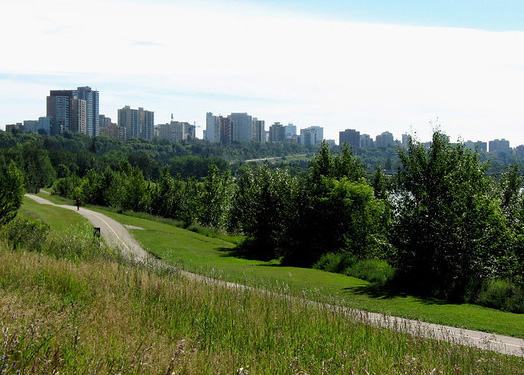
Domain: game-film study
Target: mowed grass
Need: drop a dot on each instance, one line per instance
(212, 257)
(100, 316)
(58, 218)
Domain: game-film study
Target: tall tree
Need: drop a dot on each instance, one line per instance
(11, 191)
(450, 229)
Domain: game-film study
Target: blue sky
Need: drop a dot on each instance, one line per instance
(495, 15)
(401, 66)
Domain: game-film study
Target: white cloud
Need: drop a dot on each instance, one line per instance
(181, 58)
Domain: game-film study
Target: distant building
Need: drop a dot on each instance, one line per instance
(226, 130)
(277, 133)
(212, 128)
(366, 141)
(107, 127)
(259, 131)
(30, 126)
(405, 140)
(18, 126)
(350, 137)
(385, 139)
(291, 132)
(311, 136)
(242, 127)
(138, 123)
(330, 142)
(176, 131)
(66, 111)
(92, 109)
(478, 146)
(500, 146)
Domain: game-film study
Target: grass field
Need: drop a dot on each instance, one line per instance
(58, 218)
(99, 316)
(213, 257)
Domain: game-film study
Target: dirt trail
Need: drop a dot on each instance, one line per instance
(118, 236)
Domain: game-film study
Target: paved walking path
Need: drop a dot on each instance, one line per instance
(118, 236)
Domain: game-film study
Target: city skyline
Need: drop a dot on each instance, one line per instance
(373, 68)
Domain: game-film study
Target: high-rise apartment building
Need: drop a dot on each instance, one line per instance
(242, 127)
(277, 133)
(385, 139)
(477, 146)
(350, 137)
(67, 111)
(176, 131)
(366, 141)
(500, 146)
(212, 128)
(226, 130)
(311, 136)
(138, 123)
(92, 109)
(259, 131)
(78, 116)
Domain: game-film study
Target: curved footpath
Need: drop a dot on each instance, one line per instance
(116, 235)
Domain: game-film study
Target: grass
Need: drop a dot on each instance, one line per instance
(213, 257)
(58, 218)
(101, 316)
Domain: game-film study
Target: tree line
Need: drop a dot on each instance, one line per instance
(440, 226)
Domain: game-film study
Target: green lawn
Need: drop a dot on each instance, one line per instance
(58, 218)
(212, 257)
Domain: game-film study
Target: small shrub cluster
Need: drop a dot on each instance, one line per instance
(77, 243)
(501, 294)
(373, 270)
(376, 271)
(24, 233)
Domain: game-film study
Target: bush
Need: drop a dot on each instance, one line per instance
(373, 270)
(334, 262)
(25, 234)
(77, 243)
(503, 295)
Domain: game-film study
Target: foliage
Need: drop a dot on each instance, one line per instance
(501, 294)
(375, 271)
(11, 191)
(25, 234)
(334, 262)
(263, 206)
(335, 211)
(449, 226)
(216, 198)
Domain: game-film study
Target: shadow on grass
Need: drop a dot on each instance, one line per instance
(388, 292)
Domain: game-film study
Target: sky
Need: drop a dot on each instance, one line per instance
(372, 65)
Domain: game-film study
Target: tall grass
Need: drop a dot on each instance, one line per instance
(97, 316)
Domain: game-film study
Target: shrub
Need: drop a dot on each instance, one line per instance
(77, 243)
(25, 234)
(334, 262)
(373, 270)
(503, 295)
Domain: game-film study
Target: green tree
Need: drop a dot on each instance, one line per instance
(334, 211)
(35, 165)
(167, 196)
(263, 207)
(450, 229)
(216, 198)
(11, 191)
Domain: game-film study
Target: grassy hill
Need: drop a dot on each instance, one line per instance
(97, 315)
(214, 257)
(74, 307)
